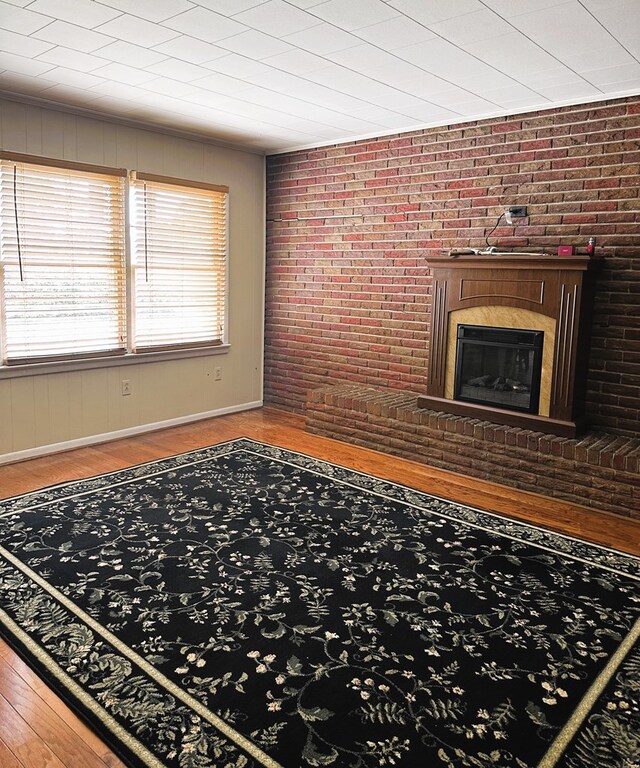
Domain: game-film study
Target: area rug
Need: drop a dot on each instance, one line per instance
(245, 605)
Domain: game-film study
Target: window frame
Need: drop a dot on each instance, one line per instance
(129, 357)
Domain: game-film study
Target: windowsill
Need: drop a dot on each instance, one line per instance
(64, 366)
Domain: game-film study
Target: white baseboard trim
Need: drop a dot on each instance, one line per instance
(106, 437)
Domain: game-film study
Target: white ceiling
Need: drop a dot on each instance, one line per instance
(280, 74)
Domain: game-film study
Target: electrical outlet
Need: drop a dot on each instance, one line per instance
(518, 211)
(217, 373)
(126, 387)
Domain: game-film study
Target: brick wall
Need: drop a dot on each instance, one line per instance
(599, 470)
(350, 228)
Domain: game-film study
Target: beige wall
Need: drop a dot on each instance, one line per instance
(47, 409)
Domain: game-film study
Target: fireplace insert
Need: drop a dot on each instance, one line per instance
(500, 367)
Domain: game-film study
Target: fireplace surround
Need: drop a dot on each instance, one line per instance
(543, 297)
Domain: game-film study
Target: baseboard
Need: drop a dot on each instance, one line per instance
(105, 437)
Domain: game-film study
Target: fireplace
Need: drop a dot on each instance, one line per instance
(499, 367)
(510, 339)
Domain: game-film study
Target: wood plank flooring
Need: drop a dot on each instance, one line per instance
(38, 730)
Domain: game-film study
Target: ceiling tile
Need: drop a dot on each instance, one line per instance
(239, 66)
(625, 87)
(137, 31)
(66, 57)
(190, 49)
(574, 91)
(513, 53)
(478, 84)
(558, 75)
(608, 75)
(130, 54)
(363, 58)
(71, 36)
(436, 90)
(509, 8)
(26, 84)
(395, 33)
(166, 86)
(354, 14)
(277, 18)
(23, 65)
(435, 10)
(220, 83)
(121, 73)
(442, 58)
(84, 13)
(117, 90)
(613, 55)
(20, 20)
(151, 10)
(305, 4)
(623, 21)
(111, 105)
(68, 94)
(508, 93)
(72, 77)
(229, 7)
(179, 70)
(205, 25)
(23, 3)
(255, 45)
(20, 45)
(471, 27)
(428, 113)
(564, 30)
(465, 103)
(297, 62)
(323, 39)
(600, 5)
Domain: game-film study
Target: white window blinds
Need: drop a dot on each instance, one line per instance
(179, 254)
(62, 261)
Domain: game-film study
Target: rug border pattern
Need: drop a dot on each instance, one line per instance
(592, 555)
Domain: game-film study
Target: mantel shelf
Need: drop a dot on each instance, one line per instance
(549, 262)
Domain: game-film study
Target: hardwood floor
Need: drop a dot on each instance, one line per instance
(37, 730)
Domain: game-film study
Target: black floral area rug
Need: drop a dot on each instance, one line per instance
(247, 606)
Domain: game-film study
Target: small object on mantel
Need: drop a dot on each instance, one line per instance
(566, 250)
(591, 246)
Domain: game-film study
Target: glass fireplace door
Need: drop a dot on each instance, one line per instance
(500, 367)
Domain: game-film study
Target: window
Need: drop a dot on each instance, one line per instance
(71, 288)
(179, 248)
(62, 260)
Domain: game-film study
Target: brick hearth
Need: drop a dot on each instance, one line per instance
(599, 470)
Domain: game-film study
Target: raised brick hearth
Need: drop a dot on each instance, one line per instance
(351, 231)
(599, 470)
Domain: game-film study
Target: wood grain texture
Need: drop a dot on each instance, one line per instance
(38, 730)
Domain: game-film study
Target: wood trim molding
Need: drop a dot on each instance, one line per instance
(105, 437)
(140, 176)
(17, 157)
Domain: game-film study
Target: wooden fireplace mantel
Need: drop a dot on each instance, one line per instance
(559, 287)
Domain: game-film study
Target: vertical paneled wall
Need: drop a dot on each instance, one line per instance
(47, 409)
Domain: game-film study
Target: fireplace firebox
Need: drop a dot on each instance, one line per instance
(499, 367)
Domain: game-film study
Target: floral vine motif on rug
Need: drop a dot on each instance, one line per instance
(245, 605)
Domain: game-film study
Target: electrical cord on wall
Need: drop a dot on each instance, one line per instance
(486, 237)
